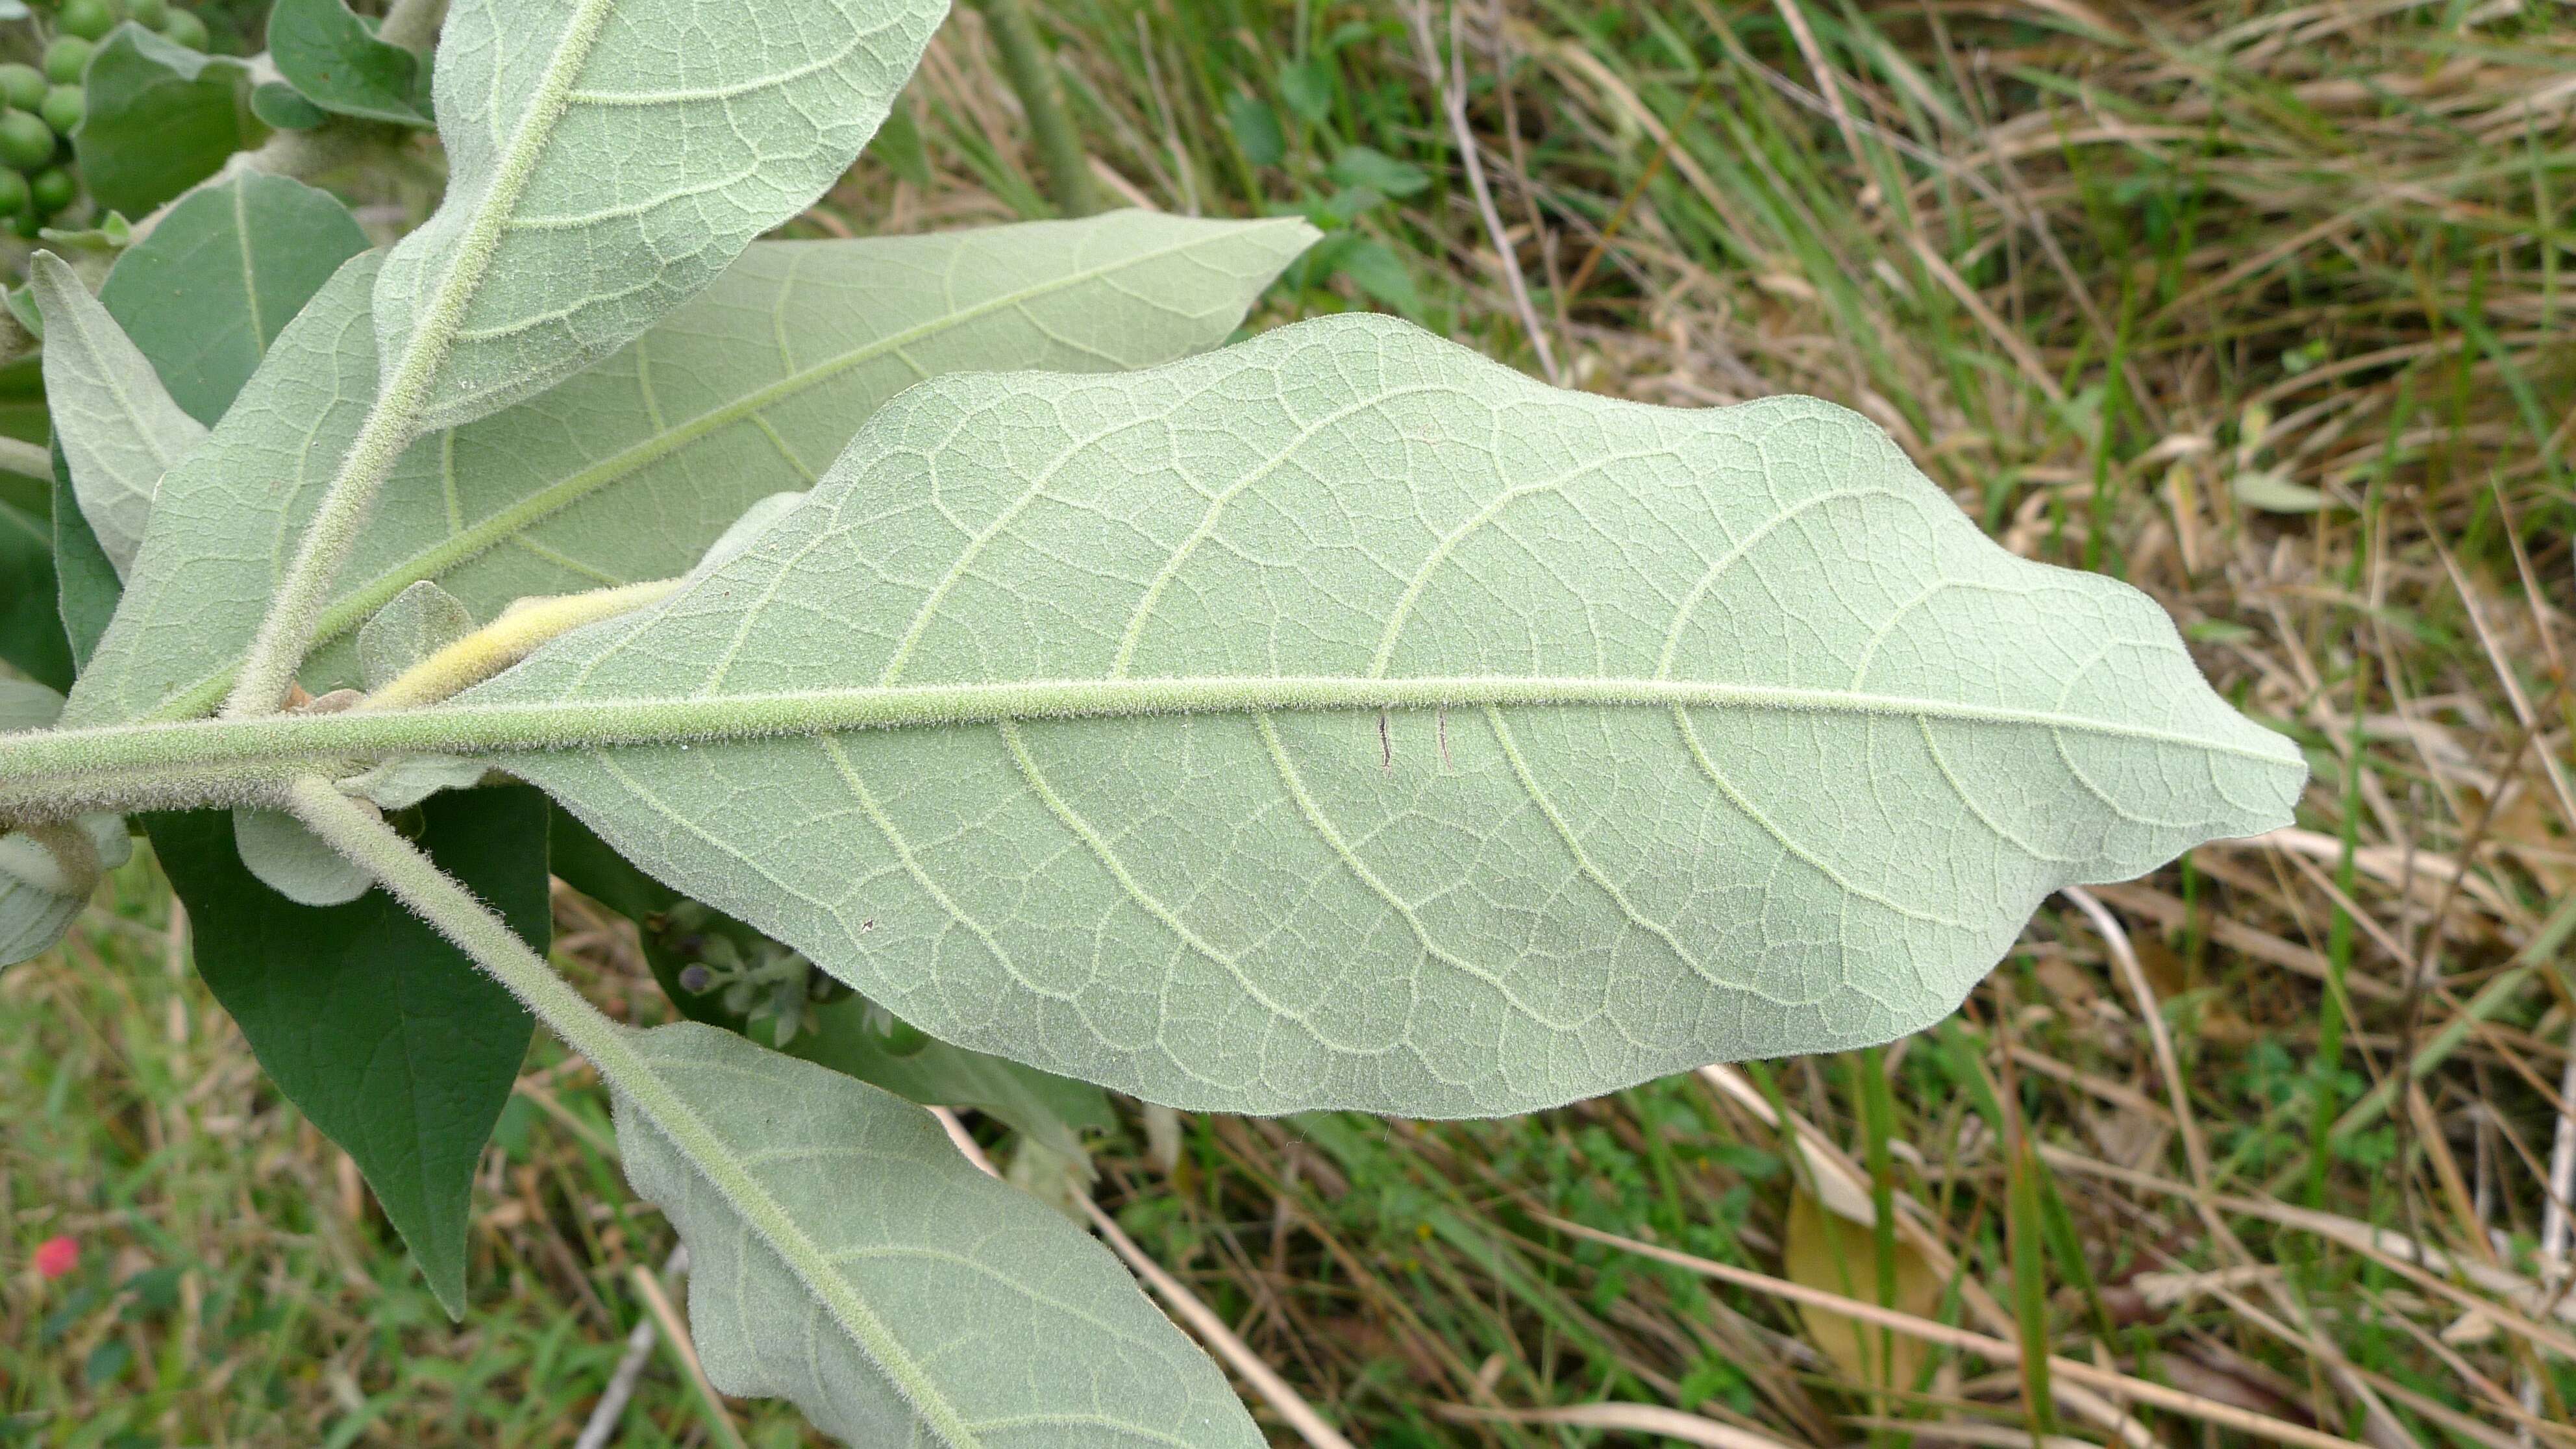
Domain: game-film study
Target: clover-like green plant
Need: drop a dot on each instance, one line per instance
(917, 638)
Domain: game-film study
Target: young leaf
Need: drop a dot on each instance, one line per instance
(369, 1021)
(46, 875)
(893, 1291)
(117, 425)
(631, 469)
(607, 159)
(48, 871)
(1342, 719)
(334, 60)
(161, 118)
(420, 621)
(292, 861)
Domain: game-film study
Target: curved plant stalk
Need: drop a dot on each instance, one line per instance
(419, 884)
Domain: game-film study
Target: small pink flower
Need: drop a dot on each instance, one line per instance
(57, 1255)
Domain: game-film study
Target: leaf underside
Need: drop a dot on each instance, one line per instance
(608, 158)
(632, 468)
(1003, 1324)
(1052, 1108)
(1894, 738)
(116, 423)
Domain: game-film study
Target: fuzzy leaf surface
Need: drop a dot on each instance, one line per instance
(1343, 720)
(990, 1321)
(933, 1073)
(117, 425)
(632, 468)
(202, 296)
(609, 158)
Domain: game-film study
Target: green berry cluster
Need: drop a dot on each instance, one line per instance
(39, 107)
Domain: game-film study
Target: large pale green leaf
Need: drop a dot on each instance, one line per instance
(1344, 720)
(893, 1291)
(631, 469)
(609, 158)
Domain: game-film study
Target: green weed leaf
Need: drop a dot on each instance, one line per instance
(161, 118)
(391, 1041)
(31, 625)
(1342, 719)
(206, 291)
(894, 1292)
(333, 59)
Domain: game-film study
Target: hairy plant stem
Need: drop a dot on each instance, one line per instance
(287, 630)
(1024, 61)
(430, 893)
(394, 421)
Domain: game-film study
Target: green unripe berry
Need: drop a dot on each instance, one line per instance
(147, 12)
(53, 190)
(88, 19)
(63, 108)
(66, 58)
(22, 85)
(185, 29)
(26, 142)
(14, 195)
(27, 223)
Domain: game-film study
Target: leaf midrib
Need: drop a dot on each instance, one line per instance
(460, 548)
(507, 727)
